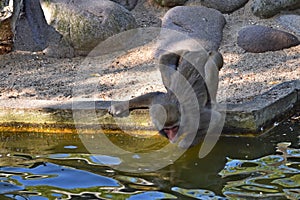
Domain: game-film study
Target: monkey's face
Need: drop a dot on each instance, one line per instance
(166, 119)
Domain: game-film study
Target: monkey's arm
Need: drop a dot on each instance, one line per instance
(143, 101)
(212, 68)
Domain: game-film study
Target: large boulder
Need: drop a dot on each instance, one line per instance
(258, 39)
(191, 28)
(84, 24)
(224, 6)
(269, 8)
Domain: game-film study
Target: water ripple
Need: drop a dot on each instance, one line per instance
(275, 176)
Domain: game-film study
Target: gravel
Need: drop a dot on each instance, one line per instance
(32, 75)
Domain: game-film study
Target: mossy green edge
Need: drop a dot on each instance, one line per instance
(249, 118)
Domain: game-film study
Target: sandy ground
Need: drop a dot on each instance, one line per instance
(27, 75)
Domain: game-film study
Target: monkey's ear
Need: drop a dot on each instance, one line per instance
(170, 60)
(168, 63)
(217, 58)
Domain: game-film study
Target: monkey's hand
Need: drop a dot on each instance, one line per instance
(119, 109)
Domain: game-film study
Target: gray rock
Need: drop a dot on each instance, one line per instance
(32, 33)
(84, 24)
(258, 39)
(291, 22)
(269, 8)
(170, 3)
(191, 28)
(61, 49)
(128, 4)
(224, 6)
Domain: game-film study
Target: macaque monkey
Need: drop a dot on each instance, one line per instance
(187, 109)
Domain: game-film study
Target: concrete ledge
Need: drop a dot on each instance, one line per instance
(253, 117)
(259, 114)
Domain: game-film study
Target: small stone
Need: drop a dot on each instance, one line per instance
(258, 39)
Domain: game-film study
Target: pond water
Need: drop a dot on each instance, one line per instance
(60, 166)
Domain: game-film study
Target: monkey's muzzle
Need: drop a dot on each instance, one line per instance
(170, 132)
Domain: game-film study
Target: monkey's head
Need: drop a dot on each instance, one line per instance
(166, 118)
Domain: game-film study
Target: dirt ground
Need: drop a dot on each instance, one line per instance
(32, 75)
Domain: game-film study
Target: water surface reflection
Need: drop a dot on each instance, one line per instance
(58, 166)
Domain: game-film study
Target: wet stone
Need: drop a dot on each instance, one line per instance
(258, 39)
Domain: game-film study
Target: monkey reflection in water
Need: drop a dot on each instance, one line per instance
(185, 112)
